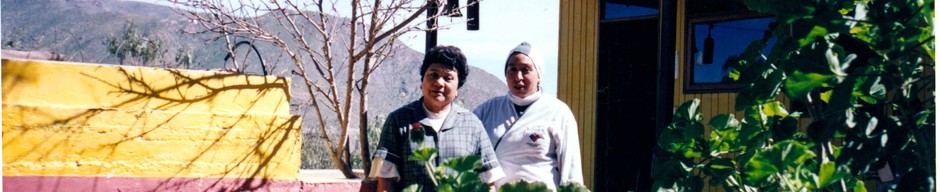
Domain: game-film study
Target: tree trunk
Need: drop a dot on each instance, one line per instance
(347, 155)
(364, 129)
(343, 167)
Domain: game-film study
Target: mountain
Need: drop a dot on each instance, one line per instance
(79, 30)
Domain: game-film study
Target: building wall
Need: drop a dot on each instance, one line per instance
(577, 75)
(577, 72)
(84, 127)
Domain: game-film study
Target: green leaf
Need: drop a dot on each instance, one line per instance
(799, 84)
(785, 128)
(471, 181)
(724, 135)
(688, 111)
(785, 10)
(524, 186)
(828, 174)
(775, 109)
(760, 91)
(573, 187)
(924, 118)
(734, 74)
(412, 188)
(793, 153)
(695, 130)
(464, 164)
(838, 60)
(842, 97)
(683, 135)
(752, 129)
(720, 169)
(691, 153)
(758, 169)
(446, 188)
(825, 96)
(423, 154)
(723, 122)
(869, 89)
(859, 186)
(786, 155)
(722, 164)
(816, 32)
(469, 178)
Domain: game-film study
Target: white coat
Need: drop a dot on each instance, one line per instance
(542, 145)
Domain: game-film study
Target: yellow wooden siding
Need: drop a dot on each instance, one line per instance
(577, 73)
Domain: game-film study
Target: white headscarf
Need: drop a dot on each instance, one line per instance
(533, 54)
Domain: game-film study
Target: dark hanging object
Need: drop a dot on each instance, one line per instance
(430, 37)
(473, 15)
(452, 9)
(708, 55)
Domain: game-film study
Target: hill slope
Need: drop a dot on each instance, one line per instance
(79, 29)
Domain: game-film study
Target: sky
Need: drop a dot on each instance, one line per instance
(503, 25)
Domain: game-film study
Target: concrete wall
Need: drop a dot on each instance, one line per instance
(83, 127)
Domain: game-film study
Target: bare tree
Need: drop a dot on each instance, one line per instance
(313, 35)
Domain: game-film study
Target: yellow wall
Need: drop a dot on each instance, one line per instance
(577, 72)
(101, 120)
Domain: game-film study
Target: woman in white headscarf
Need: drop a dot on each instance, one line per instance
(535, 135)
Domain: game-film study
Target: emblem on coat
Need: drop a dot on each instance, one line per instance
(535, 137)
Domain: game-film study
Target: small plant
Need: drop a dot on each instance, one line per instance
(458, 174)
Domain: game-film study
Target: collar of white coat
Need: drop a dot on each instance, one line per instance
(528, 100)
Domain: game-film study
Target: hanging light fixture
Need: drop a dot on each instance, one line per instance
(708, 55)
(452, 8)
(473, 15)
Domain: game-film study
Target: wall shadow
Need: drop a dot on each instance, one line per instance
(179, 130)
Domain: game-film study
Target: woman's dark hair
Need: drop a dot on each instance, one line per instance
(449, 56)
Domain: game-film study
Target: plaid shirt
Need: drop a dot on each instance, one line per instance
(462, 134)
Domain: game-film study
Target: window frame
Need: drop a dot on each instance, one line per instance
(689, 87)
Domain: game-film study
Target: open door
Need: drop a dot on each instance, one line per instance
(626, 108)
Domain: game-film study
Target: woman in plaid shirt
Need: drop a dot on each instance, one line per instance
(453, 130)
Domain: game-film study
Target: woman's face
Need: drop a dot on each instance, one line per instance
(439, 87)
(521, 77)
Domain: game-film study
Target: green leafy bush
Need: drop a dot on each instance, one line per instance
(864, 70)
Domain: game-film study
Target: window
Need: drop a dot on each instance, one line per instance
(627, 9)
(713, 44)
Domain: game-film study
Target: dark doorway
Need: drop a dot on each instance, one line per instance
(626, 108)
